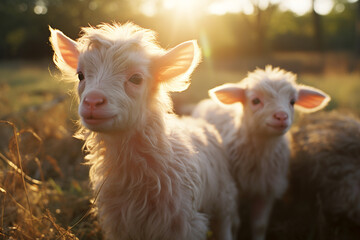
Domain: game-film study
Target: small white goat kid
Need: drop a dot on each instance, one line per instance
(158, 176)
(253, 133)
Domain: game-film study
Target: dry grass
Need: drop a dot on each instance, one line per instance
(48, 208)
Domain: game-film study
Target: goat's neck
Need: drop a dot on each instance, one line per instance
(139, 159)
(145, 144)
(267, 143)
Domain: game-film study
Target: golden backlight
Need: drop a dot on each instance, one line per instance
(221, 7)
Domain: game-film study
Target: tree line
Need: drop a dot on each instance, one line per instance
(24, 27)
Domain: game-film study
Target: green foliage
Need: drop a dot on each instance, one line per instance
(26, 33)
(339, 29)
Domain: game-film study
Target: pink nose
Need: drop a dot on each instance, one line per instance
(94, 100)
(281, 116)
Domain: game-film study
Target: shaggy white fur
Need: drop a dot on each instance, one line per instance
(158, 176)
(326, 149)
(252, 118)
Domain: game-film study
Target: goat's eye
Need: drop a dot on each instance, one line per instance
(256, 101)
(292, 102)
(81, 76)
(136, 79)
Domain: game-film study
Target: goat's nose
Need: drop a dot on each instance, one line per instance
(281, 116)
(94, 100)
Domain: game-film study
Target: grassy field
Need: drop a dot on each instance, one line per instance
(44, 189)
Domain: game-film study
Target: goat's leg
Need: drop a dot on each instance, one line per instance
(260, 214)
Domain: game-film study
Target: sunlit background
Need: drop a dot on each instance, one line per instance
(316, 39)
(229, 28)
(319, 40)
(237, 34)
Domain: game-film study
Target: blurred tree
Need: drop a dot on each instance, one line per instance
(357, 30)
(260, 25)
(289, 32)
(318, 29)
(339, 30)
(69, 15)
(24, 26)
(24, 23)
(350, 30)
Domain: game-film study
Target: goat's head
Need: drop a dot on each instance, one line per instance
(268, 98)
(121, 71)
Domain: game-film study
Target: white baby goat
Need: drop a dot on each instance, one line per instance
(253, 133)
(158, 177)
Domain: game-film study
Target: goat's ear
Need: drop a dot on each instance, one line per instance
(65, 49)
(228, 94)
(311, 99)
(175, 67)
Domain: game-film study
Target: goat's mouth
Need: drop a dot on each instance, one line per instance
(280, 127)
(92, 121)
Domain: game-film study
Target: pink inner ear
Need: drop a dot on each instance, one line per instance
(177, 61)
(68, 50)
(310, 98)
(228, 94)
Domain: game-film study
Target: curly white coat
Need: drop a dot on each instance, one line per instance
(252, 117)
(157, 176)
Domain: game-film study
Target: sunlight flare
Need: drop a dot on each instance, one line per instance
(222, 7)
